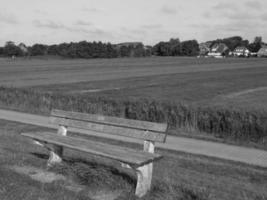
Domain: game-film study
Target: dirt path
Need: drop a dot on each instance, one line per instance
(236, 94)
(194, 146)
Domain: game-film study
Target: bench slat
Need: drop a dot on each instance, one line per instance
(127, 123)
(122, 154)
(116, 130)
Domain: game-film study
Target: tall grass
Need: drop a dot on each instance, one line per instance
(237, 124)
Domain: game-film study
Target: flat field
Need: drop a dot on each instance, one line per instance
(224, 82)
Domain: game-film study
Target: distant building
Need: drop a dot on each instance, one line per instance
(262, 52)
(204, 49)
(241, 52)
(129, 44)
(218, 50)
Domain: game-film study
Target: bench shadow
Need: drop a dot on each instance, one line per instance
(40, 155)
(118, 171)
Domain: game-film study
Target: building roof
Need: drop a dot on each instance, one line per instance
(204, 48)
(127, 44)
(219, 48)
(263, 51)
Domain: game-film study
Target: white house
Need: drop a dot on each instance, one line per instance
(241, 52)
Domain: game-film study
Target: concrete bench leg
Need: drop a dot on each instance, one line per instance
(56, 152)
(144, 173)
(55, 156)
(144, 178)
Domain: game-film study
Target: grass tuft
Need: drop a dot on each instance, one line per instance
(227, 123)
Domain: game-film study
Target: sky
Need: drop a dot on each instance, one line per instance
(115, 21)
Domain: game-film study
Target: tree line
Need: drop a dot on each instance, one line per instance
(85, 49)
(82, 49)
(236, 41)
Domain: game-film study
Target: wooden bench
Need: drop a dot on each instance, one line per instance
(141, 161)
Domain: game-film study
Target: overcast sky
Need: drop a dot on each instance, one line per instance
(149, 21)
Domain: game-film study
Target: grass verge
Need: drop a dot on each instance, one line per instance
(177, 176)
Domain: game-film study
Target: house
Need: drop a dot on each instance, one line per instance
(218, 50)
(204, 48)
(262, 52)
(241, 51)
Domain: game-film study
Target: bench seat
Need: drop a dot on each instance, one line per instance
(129, 156)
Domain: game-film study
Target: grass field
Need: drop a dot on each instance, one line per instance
(203, 81)
(82, 176)
(223, 97)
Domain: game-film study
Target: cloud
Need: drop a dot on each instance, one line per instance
(91, 10)
(199, 26)
(59, 26)
(225, 6)
(41, 12)
(253, 5)
(264, 17)
(243, 16)
(168, 10)
(8, 18)
(48, 24)
(207, 15)
(226, 11)
(152, 26)
(83, 23)
(246, 28)
(238, 27)
(134, 31)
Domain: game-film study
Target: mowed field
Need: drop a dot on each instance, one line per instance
(225, 82)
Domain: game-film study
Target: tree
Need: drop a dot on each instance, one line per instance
(124, 51)
(111, 51)
(139, 50)
(1, 51)
(189, 48)
(52, 50)
(84, 49)
(175, 47)
(71, 50)
(38, 50)
(256, 45)
(148, 50)
(233, 42)
(10, 49)
(62, 49)
(245, 43)
(162, 49)
(258, 40)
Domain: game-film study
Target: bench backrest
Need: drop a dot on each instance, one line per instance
(144, 130)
